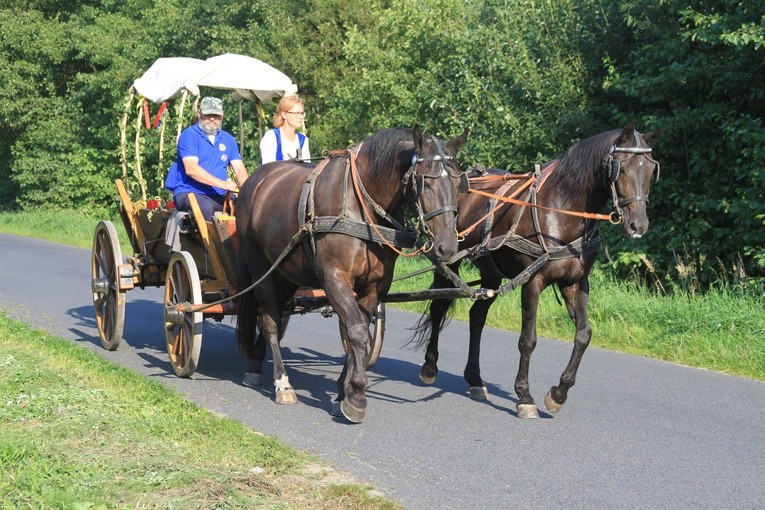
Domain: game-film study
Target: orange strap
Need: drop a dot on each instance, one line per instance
(592, 216)
(159, 114)
(354, 177)
(146, 114)
(529, 182)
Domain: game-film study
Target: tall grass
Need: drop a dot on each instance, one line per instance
(723, 330)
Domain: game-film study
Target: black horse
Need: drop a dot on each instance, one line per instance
(338, 226)
(550, 237)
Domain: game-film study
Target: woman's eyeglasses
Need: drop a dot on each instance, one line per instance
(301, 114)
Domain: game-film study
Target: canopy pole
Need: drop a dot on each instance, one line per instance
(241, 131)
(260, 114)
(160, 169)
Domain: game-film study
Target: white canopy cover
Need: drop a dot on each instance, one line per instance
(247, 76)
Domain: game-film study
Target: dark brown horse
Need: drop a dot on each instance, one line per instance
(543, 245)
(338, 227)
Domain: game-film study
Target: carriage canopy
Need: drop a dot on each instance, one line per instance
(246, 76)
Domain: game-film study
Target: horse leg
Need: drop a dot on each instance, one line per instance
(576, 297)
(435, 321)
(336, 410)
(355, 318)
(254, 376)
(478, 312)
(272, 332)
(527, 342)
(437, 312)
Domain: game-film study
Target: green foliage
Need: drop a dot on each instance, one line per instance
(699, 72)
(528, 78)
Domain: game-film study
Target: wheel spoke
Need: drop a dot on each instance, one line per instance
(99, 302)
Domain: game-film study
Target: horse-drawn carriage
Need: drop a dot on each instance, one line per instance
(193, 258)
(325, 238)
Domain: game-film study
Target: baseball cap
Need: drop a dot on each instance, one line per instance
(211, 106)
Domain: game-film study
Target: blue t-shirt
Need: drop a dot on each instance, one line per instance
(213, 157)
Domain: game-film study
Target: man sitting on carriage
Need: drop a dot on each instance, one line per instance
(205, 152)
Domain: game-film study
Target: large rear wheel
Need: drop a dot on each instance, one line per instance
(183, 329)
(108, 300)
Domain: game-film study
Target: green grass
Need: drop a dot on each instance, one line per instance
(723, 330)
(79, 432)
(67, 227)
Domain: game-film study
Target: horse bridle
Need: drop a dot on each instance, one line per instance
(418, 185)
(613, 169)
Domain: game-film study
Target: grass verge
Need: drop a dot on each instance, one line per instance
(723, 330)
(79, 432)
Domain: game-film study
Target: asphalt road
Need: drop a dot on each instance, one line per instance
(635, 433)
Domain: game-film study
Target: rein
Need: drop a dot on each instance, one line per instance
(361, 192)
(530, 180)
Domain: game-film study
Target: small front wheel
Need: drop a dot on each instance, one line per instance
(183, 329)
(378, 331)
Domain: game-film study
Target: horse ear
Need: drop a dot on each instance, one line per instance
(650, 138)
(456, 144)
(417, 135)
(627, 134)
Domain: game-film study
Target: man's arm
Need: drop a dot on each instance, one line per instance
(199, 174)
(240, 171)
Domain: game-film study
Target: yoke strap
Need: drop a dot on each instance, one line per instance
(363, 230)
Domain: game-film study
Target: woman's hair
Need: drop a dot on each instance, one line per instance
(285, 104)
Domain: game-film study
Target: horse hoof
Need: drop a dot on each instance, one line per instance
(527, 411)
(286, 396)
(479, 393)
(352, 413)
(552, 405)
(336, 411)
(252, 379)
(427, 380)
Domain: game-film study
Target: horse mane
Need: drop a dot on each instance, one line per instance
(382, 146)
(580, 167)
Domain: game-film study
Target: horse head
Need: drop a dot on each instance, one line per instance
(432, 183)
(628, 172)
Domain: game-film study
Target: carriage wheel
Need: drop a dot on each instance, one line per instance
(108, 301)
(375, 346)
(183, 330)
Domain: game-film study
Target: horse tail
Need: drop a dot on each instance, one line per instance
(425, 325)
(247, 310)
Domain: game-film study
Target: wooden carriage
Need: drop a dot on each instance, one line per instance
(199, 275)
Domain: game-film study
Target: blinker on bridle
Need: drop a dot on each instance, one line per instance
(418, 184)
